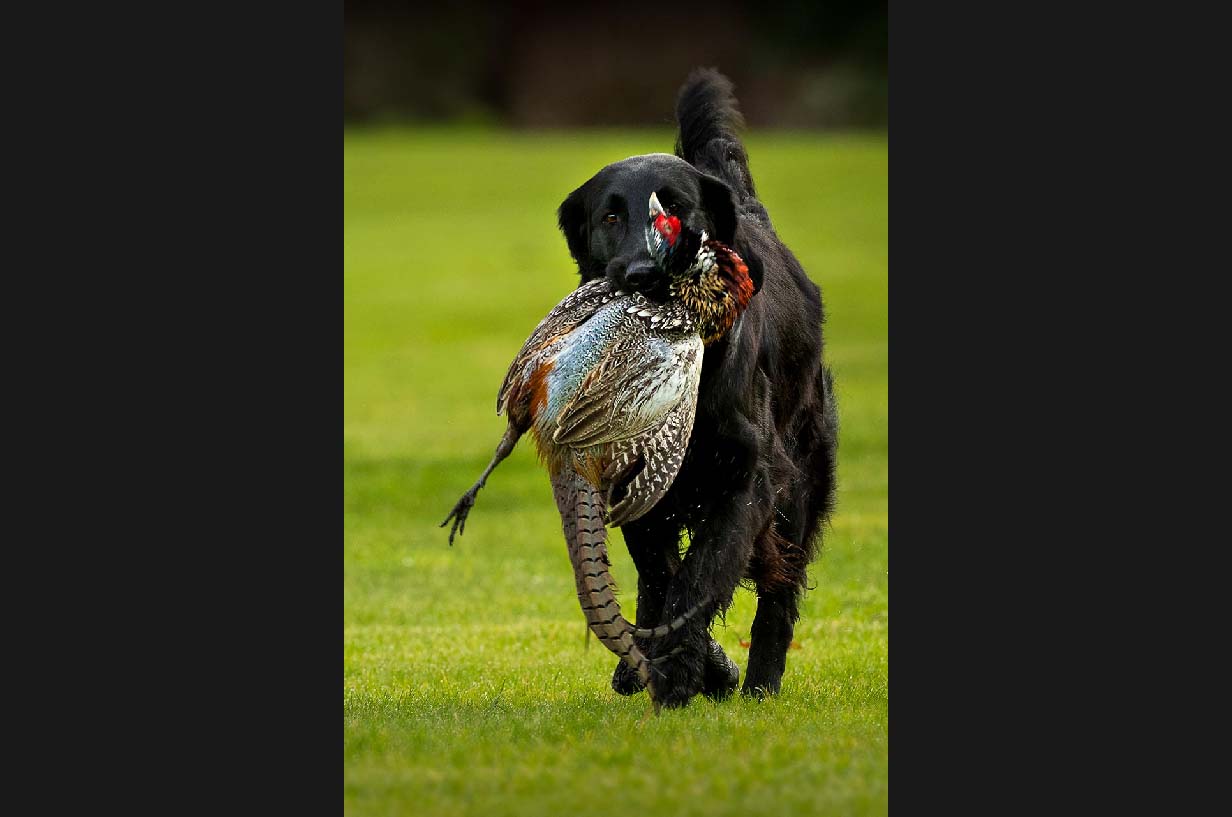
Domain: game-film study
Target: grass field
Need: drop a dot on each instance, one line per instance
(468, 684)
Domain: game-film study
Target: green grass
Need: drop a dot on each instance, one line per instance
(469, 687)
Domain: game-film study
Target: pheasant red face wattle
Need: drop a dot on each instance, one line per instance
(668, 227)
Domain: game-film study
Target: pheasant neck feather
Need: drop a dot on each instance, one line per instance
(718, 292)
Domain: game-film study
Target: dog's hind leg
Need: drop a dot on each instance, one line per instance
(777, 613)
(803, 502)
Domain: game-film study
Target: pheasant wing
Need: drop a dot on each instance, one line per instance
(575, 309)
(637, 384)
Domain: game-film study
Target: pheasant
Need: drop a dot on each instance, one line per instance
(607, 382)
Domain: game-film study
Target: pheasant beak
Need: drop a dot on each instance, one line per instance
(656, 209)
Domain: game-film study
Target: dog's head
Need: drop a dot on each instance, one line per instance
(604, 220)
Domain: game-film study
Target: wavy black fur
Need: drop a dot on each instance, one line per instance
(758, 478)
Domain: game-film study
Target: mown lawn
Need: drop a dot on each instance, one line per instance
(469, 687)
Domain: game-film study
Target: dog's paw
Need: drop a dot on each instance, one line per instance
(760, 684)
(680, 673)
(625, 679)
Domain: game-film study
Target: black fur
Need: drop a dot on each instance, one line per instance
(758, 478)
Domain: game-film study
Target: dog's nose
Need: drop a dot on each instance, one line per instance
(641, 275)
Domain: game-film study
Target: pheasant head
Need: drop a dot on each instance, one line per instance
(709, 277)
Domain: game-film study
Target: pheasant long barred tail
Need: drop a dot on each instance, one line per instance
(582, 520)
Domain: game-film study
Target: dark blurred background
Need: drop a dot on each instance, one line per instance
(538, 64)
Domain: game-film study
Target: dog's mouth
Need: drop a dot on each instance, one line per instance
(655, 291)
(657, 294)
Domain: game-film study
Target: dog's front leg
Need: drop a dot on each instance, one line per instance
(652, 542)
(718, 557)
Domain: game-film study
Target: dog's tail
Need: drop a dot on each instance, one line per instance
(709, 117)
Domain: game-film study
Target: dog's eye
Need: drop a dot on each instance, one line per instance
(611, 218)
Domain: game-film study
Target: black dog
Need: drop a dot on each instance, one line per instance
(758, 478)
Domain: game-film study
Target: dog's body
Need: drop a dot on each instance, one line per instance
(758, 478)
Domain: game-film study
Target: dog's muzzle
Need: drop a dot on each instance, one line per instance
(641, 275)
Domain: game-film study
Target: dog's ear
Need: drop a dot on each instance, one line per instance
(574, 223)
(720, 204)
